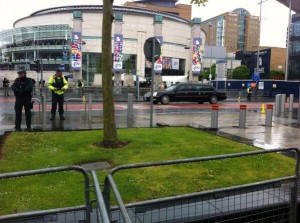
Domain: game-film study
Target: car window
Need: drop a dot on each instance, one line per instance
(181, 88)
(198, 87)
(171, 88)
(189, 87)
(207, 88)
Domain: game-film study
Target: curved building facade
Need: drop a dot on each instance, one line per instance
(71, 37)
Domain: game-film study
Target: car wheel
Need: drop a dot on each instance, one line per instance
(213, 99)
(165, 99)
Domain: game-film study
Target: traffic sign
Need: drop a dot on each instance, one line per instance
(255, 77)
(148, 48)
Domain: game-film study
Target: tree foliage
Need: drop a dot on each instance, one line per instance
(277, 74)
(242, 72)
(206, 72)
(199, 2)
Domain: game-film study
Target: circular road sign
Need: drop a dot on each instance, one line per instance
(148, 49)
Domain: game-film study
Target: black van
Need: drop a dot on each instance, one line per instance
(192, 92)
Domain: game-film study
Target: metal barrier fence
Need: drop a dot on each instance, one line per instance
(267, 201)
(60, 213)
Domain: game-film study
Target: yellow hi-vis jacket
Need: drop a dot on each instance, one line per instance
(58, 83)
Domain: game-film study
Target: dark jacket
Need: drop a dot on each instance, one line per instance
(22, 87)
(5, 82)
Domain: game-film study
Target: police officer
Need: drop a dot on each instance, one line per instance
(22, 88)
(57, 84)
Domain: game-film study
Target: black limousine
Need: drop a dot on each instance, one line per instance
(191, 92)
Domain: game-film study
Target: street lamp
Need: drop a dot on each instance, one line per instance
(288, 43)
(210, 25)
(257, 59)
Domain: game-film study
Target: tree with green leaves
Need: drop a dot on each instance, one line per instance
(242, 72)
(206, 72)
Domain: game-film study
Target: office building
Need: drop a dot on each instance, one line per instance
(169, 6)
(236, 31)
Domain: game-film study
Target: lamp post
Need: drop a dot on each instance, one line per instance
(288, 43)
(210, 75)
(258, 50)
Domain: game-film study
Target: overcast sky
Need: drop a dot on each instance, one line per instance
(274, 14)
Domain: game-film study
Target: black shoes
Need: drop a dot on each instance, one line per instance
(17, 129)
(61, 117)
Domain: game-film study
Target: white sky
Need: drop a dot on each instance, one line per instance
(274, 14)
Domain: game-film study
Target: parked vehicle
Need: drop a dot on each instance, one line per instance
(187, 92)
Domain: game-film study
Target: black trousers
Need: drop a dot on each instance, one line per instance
(20, 102)
(57, 99)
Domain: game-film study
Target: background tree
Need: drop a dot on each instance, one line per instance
(277, 74)
(242, 72)
(206, 72)
(128, 66)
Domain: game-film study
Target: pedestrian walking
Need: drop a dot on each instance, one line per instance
(57, 84)
(22, 88)
(249, 93)
(6, 86)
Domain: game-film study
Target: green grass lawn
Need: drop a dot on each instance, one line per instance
(36, 150)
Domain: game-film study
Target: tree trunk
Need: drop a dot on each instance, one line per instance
(110, 135)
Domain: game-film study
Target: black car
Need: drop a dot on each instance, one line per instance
(187, 92)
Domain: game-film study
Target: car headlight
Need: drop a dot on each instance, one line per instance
(154, 93)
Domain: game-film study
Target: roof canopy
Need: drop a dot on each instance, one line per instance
(295, 4)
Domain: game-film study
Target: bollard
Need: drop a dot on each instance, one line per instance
(130, 110)
(283, 98)
(214, 116)
(242, 118)
(291, 105)
(90, 109)
(277, 104)
(44, 111)
(269, 115)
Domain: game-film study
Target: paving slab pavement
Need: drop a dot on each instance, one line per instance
(284, 133)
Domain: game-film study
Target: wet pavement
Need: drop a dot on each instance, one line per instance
(284, 133)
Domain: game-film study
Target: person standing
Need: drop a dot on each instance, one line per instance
(57, 84)
(6, 86)
(79, 87)
(249, 93)
(22, 88)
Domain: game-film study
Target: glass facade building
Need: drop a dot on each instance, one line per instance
(22, 46)
(294, 49)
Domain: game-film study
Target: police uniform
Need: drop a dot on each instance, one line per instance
(57, 84)
(22, 88)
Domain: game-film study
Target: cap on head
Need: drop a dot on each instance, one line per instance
(22, 72)
(58, 71)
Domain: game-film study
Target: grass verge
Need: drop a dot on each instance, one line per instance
(36, 150)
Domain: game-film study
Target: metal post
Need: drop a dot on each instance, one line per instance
(44, 111)
(152, 82)
(90, 108)
(269, 115)
(242, 118)
(277, 104)
(130, 110)
(214, 116)
(291, 105)
(137, 83)
(283, 98)
(288, 44)
(299, 106)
